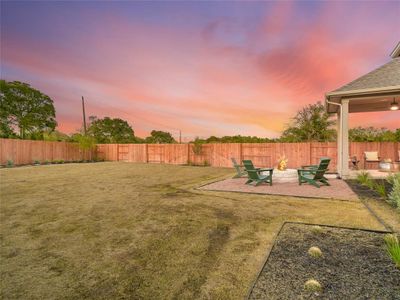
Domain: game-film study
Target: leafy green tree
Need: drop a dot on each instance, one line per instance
(5, 129)
(160, 137)
(25, 109)
(86, 142)
(108, 131)
(234, 139)
(371, 134)
(55, 135)
(311, 123)
(397, 134)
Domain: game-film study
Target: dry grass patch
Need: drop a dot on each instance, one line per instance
(123, 230)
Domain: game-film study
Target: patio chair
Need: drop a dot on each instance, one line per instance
(257, 178)
(314, 167)
(248, 165)
(240, 172)
(254, 174)
(315, 175)
(371, 157)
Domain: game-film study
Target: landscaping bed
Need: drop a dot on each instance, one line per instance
(354, 265)
(364, 191)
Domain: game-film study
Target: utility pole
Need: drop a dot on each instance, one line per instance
(84, 115)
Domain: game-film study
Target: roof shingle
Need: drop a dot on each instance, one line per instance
(385, 76)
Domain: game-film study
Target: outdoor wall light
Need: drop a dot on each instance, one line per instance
(394, 105)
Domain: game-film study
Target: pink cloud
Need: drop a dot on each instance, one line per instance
(214, 81)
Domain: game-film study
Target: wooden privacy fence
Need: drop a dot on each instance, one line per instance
(23, 152)
(216, 155)
(219, 155)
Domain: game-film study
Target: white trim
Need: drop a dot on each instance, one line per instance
(396, 51)
(388, 89)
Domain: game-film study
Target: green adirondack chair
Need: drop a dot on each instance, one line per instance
(254, 174)
(240, 172)
(314, 174)
(257, 178)
(314, 167)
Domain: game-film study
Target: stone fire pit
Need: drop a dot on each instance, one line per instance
(288, 175)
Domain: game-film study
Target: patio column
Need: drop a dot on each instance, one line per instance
(345, 139)
(339, 143)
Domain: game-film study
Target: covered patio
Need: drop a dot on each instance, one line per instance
(378, 90)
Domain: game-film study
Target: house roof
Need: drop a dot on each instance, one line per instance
(373, 91)
(386, 76)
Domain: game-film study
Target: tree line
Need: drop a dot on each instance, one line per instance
(27, 113)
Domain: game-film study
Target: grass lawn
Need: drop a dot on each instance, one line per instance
(137, 231)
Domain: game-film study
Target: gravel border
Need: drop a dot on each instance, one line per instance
(355, 265)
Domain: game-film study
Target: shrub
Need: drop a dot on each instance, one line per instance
(380, 189)
(364, 178)
(312, 285)
(197, 146)
(393, 248)
(36, 162)
(61, 161)
(315, 252)
(394, 196)
(317, 229)
(46, 162)
(10, 163)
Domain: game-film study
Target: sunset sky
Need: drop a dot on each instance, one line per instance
(206, 68)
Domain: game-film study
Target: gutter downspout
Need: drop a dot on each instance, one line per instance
(340, 133)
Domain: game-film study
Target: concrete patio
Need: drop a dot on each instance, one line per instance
(338, 189)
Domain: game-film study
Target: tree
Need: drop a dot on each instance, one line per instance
(234, 139)
(86, 142)
(108, 131)
(55, 135)
(371, 134)
(160, 137)
(25, 109)
(311, 123)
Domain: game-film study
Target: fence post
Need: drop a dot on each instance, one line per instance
(240, 153)
(188, 153)
(147, 153)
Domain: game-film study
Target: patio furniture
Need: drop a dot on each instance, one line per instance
(257, 178)
(254, 173)
(315, 175)
(248, 165)
(354, 162)
(388, 166)
(371, 157)
(240, 172)
(314, 167)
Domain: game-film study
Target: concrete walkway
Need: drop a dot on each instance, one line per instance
(338, 189)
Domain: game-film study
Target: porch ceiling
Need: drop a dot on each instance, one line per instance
(366, 103)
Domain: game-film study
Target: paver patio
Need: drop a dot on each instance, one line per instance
(338, 189)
